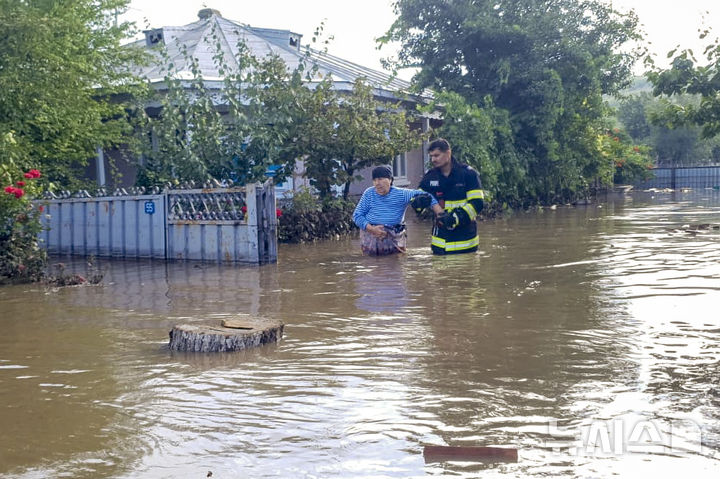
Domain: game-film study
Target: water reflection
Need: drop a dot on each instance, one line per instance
(565, 320)
(380, 285)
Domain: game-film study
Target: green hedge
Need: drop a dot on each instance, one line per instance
(306, 218)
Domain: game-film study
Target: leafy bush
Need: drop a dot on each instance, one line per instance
(632, 163)
(21, 258)
(307, 218)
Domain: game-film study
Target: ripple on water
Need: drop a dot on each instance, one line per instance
(568, 320)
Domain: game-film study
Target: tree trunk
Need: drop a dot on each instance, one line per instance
(346, 189)
(230, 335)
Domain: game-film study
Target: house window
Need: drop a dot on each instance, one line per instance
(399, 166)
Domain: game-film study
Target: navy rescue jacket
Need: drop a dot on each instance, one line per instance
(460, 189)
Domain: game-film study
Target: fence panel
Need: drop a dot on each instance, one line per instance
(685, 177)
(128, 226)
(220, 224)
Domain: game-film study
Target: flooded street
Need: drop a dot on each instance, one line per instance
(588, 338)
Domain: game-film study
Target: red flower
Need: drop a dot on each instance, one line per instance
(20, 183)
(11, 190)
(28, 175)
(35, 173)
(244, 209)
(278, 212)
(41, 208)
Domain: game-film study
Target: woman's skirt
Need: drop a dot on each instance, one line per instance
(394, 242)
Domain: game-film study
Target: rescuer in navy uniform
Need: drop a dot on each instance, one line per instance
(456, 187)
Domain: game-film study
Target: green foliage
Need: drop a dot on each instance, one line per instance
(482, 138)
(687, 76)
(21, 259)
(271, 115)
(304, 201)
(190, 139)
(63, 83)
(629, 163)
(541, 68)
(632, 113)
(307, 218)
(343, 133)
(644, 118)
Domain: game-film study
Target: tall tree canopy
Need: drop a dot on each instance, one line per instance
(644, 118)
(62, 76)
(547, 63)
(687, 75)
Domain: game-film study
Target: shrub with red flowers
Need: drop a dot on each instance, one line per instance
(628, 163)
(21, 258)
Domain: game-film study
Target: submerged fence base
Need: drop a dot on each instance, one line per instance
(218, 224)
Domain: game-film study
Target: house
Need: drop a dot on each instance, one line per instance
(197, 38)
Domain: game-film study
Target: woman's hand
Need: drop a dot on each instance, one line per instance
(377, 231)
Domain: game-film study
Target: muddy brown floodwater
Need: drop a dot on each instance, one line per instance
(588, 338)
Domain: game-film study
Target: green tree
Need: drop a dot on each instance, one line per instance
(65, 90)
(482, 138)
(633, 115)
(547, 64)
(689, 76)
(64, 84)
(271, 115)
(342, 133)
(190, 139)
(644, 118)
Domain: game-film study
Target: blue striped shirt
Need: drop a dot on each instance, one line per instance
(389, 209)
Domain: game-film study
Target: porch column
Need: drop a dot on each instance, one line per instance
(425, 129)
(100, 166)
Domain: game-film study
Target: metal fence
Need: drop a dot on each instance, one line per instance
(213, 224)
(685, 177)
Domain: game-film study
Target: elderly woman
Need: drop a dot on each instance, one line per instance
(381, 211)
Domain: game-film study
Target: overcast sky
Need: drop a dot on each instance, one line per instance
(356, 25)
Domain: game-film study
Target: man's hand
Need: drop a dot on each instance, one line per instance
(377, 231)
(453, 218)
(447, 221)
(420, 202)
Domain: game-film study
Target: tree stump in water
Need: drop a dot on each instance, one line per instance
(229, 335)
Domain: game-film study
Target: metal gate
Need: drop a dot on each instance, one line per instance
(219, 224)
